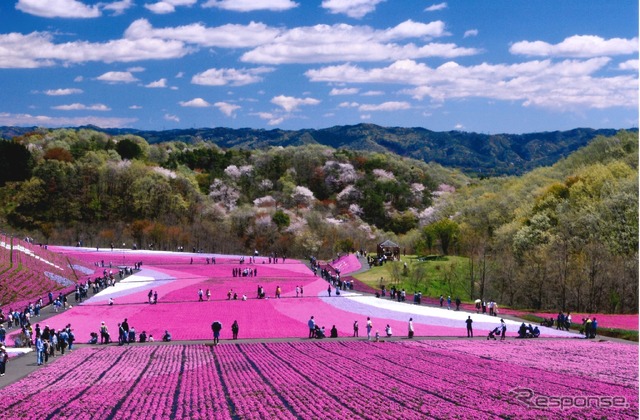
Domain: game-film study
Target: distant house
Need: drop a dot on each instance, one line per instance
(389, 249)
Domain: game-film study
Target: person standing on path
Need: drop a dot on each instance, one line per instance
(503, 329)
(355, 328)
(39, 351)
(312, 327)
(469, 321)
(448, 302)
(369, 327)
(216, 327)
(410, 327)
(125, 329)
(3, 359)
(234, 329)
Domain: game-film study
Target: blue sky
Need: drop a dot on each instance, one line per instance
(483, 66)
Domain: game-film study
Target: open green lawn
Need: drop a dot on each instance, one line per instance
(448, 276)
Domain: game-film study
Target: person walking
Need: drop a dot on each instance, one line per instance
(469, 323)
(410, 327)
(355, 328)
(503, 329)
(369, 327)
(448, 302)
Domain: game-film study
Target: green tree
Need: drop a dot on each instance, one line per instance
(446, 231)
(15, 162)
(128, 149)
(281, 219)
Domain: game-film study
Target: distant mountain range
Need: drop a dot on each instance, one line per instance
(473, 153)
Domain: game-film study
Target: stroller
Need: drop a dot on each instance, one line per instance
(493, 333)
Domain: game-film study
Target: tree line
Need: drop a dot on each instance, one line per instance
(559, 237)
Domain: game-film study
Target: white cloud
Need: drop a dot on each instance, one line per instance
(272, 119)
(345, 91)
(170, 117)
(470, 32)
(78, 79)
(252, 5)
(113, 77)
(582, 46)
(47, 121)
(565, 86)
(342, 42)
(352, 8)
(180, 75)
(227, 108)
(233, 77)
(436, 7)
(161, 83)
(373, 93)
(135, 107)
(37, 50)
(385, 106)
(348, 105)
(137, 69)
(225, 36)
(82, 107)
(195, 103)
(458, 127)
(62, 92)
(118, 7)
(167, 6)
(58, 8)
(365, 116)
(629, 65)
(289, 103)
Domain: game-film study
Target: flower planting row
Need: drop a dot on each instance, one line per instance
(33, 273)
(608, 362)
(317, 380)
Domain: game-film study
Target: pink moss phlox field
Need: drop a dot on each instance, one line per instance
(32, 272)
(177, 281)
(328, 380)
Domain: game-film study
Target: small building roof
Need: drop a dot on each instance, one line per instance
(389, 244)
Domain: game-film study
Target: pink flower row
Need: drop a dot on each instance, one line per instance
(331, 379)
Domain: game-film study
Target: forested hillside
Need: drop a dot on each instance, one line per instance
(472, 153)
(558, 237)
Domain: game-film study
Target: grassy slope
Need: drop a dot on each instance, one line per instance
(434, 283)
